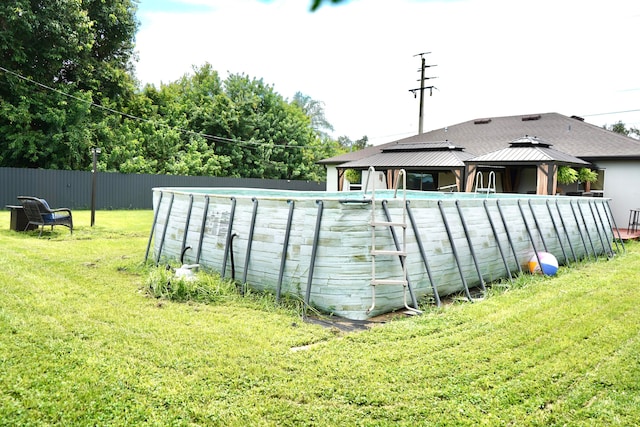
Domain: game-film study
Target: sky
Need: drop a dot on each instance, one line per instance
(488, 58)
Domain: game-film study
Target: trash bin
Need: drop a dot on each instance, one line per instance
(18, 220)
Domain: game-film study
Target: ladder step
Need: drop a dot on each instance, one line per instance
(388, 282)
(388, 224)
(375, 252)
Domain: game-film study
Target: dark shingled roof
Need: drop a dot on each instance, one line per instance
(482, 136)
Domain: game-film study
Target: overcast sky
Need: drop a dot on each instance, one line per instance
(492, 57)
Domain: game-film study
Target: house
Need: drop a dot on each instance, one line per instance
(522, 152)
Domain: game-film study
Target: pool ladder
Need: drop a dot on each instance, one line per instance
(491, 183)
(400, 244)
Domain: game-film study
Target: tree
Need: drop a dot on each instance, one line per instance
(171, 137)
(350, 145)
(202, 125)
(622, 129)
(66, 74)
(315, 110)
(361, 143)
(58, 57)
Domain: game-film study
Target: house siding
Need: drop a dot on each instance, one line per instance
(622, 186)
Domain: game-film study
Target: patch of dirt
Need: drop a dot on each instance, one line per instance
(348, 325)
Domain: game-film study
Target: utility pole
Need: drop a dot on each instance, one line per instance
(422, 87)
(94, 172)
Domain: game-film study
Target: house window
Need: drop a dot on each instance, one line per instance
(425, 181)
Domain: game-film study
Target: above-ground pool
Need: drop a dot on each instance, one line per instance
(359, 255)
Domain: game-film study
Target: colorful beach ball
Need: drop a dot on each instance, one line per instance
(548, 262)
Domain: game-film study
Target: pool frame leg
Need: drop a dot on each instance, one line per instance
(586, 230)
(153, 227)
(470, 243)
(537, 224)
(566, 233)
(509, 239)
(533, 245)
(203, 225)
(455, 251)
(285, 246)
(423, 254)
(607, 250)
(314, 252)
(252, 227)
(610, 217)
(495, 236)
(227, 244)
(164, 231)
(555, 227)
(584, 242)
(186, 225)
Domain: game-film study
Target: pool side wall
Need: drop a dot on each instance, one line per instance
(342, 271)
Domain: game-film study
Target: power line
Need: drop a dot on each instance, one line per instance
(213, 138)
(612, 112)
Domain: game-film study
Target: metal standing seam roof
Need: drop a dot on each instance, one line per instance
(528, 155)
(422, 146)
(412, 159)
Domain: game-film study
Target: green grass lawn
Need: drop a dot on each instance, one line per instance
(82, 343)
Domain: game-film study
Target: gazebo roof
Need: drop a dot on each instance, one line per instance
(422, 146)
(528, 150)
(423, 155)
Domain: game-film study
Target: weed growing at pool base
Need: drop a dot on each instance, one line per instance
(162, 283)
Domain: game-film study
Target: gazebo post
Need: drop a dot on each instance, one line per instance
(391, 175)
(458, 174)
(471, 174)
(542, 179)
(341, 173)
(553, 178)
(546, 179)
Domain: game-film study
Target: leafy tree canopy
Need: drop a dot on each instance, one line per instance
(67, 84)
(315, 110)
(621, 128)
(59, 56)
(349, 145)
(203, 125)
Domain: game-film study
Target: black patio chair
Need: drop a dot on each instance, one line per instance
(40, 214)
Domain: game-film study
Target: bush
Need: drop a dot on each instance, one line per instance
(587, 175)
(567, 175)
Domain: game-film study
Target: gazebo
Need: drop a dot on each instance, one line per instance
(524, 152)
(423, 162)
